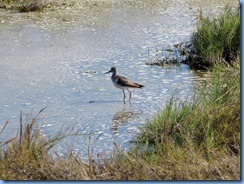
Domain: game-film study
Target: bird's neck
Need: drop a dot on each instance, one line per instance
(114, 73)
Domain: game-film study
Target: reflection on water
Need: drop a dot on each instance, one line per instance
(120, 118)
(57, 59)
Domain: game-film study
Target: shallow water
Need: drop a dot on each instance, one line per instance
(57, 59)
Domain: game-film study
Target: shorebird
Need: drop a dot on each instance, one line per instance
(122, 82)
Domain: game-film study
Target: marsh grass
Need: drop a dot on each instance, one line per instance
(203, 131)
(217, 39)
(27, 155)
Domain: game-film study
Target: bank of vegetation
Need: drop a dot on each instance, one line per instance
(24, 6)
(216, 40)
(197, 139)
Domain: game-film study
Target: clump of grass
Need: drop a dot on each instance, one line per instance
(217, 39)
(27, 155)
(26, 5)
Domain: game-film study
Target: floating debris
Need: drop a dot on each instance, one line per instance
(47, 125)
(90, 71)
(100, 89)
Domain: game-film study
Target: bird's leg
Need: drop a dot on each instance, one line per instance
(124, 94)
(130, 95)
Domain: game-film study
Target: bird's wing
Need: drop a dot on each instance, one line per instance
(123, 81)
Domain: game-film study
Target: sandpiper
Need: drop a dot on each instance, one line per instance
(122, 82)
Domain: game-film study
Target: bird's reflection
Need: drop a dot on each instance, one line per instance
(122, 117)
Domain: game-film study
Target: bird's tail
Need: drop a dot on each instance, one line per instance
(141, 86)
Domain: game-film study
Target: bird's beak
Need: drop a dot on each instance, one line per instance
(108, 72)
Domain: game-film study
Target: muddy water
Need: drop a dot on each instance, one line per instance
(56, 59)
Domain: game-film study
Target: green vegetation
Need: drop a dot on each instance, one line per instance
(34, 5)
(205, 130)
(217, 39)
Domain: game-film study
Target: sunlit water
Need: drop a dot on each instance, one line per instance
(57, 60)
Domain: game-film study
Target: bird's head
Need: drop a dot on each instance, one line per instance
(112, 70)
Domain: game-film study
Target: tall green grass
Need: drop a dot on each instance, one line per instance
(218, 39)
(207, 119)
